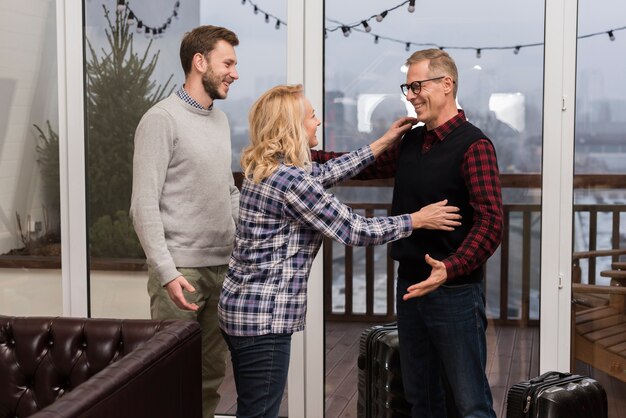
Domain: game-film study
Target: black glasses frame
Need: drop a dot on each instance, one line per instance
(416, 86)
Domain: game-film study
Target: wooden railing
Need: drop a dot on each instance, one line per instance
(528, 214)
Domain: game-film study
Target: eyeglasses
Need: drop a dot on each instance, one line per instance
(416, 86)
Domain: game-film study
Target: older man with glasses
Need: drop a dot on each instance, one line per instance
(440, 297)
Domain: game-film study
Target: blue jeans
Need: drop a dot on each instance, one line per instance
(260, 366)
(442, 336)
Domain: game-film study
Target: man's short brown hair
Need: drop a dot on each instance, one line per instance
(202, 40)
(440, 63)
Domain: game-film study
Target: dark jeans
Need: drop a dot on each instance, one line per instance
(260, 366)
(442, 335)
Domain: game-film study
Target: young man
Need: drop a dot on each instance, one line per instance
(184, 203)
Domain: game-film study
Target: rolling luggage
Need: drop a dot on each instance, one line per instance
(381, 394)
(557, 395)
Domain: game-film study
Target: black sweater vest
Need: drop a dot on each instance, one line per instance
(422, 179)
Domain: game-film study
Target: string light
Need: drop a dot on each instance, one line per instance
(408, 47)
(267, 15)
(131, 18)
(379, 17)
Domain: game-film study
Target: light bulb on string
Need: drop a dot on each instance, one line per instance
(367, 27)
(381, 16)
(256, 9)
(277, 24)
(611, 36)
(139, 26)
(131, 18)
(407, 47)
(346, 31)
(411, 6)
(121, 5)
(376, 39)
(516, 50)
(267, 18)
(478, 55)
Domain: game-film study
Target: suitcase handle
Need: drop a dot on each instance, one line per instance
(549, 376)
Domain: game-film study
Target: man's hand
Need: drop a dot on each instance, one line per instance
(175, 290)
(437, 277)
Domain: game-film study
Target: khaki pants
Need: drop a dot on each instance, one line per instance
(208, 284)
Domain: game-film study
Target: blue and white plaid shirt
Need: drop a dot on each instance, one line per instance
(282, 221)
(184, 96)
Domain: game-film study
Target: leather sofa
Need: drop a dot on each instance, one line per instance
(113, 368)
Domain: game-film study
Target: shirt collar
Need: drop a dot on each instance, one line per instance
(443, 130)
(184, 96)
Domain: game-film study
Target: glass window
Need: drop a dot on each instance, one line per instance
(599, 331)
(116, 102)
(30, 241)
(500, 88)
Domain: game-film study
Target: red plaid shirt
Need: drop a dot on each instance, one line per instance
(480, 171)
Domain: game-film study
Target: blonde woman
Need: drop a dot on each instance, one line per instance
(284, 213)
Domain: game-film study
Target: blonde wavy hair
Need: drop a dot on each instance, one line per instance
(277, 134)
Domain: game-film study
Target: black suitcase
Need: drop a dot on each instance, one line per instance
(557, 395)
(381, 394)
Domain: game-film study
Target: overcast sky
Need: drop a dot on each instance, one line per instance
(476, 23)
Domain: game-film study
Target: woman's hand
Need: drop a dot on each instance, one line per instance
(436, 216)
(395, 132)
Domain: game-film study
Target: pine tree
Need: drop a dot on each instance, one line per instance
(119, 92)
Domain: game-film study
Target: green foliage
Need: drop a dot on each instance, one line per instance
(48, 160)
(115, 237)
(119, 92)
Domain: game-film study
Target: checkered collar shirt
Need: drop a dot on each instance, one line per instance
(282, 222)
(185, 97)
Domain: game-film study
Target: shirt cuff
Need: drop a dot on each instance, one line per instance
(406, 226)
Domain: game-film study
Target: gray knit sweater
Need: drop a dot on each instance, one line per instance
(184, 203)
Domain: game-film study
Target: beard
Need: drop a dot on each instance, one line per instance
(211, 83)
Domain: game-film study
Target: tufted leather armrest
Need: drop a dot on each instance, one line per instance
(69, 367)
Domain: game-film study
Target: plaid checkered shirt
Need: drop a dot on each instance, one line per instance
(282, 222)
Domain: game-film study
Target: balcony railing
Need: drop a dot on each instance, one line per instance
(520, 243)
